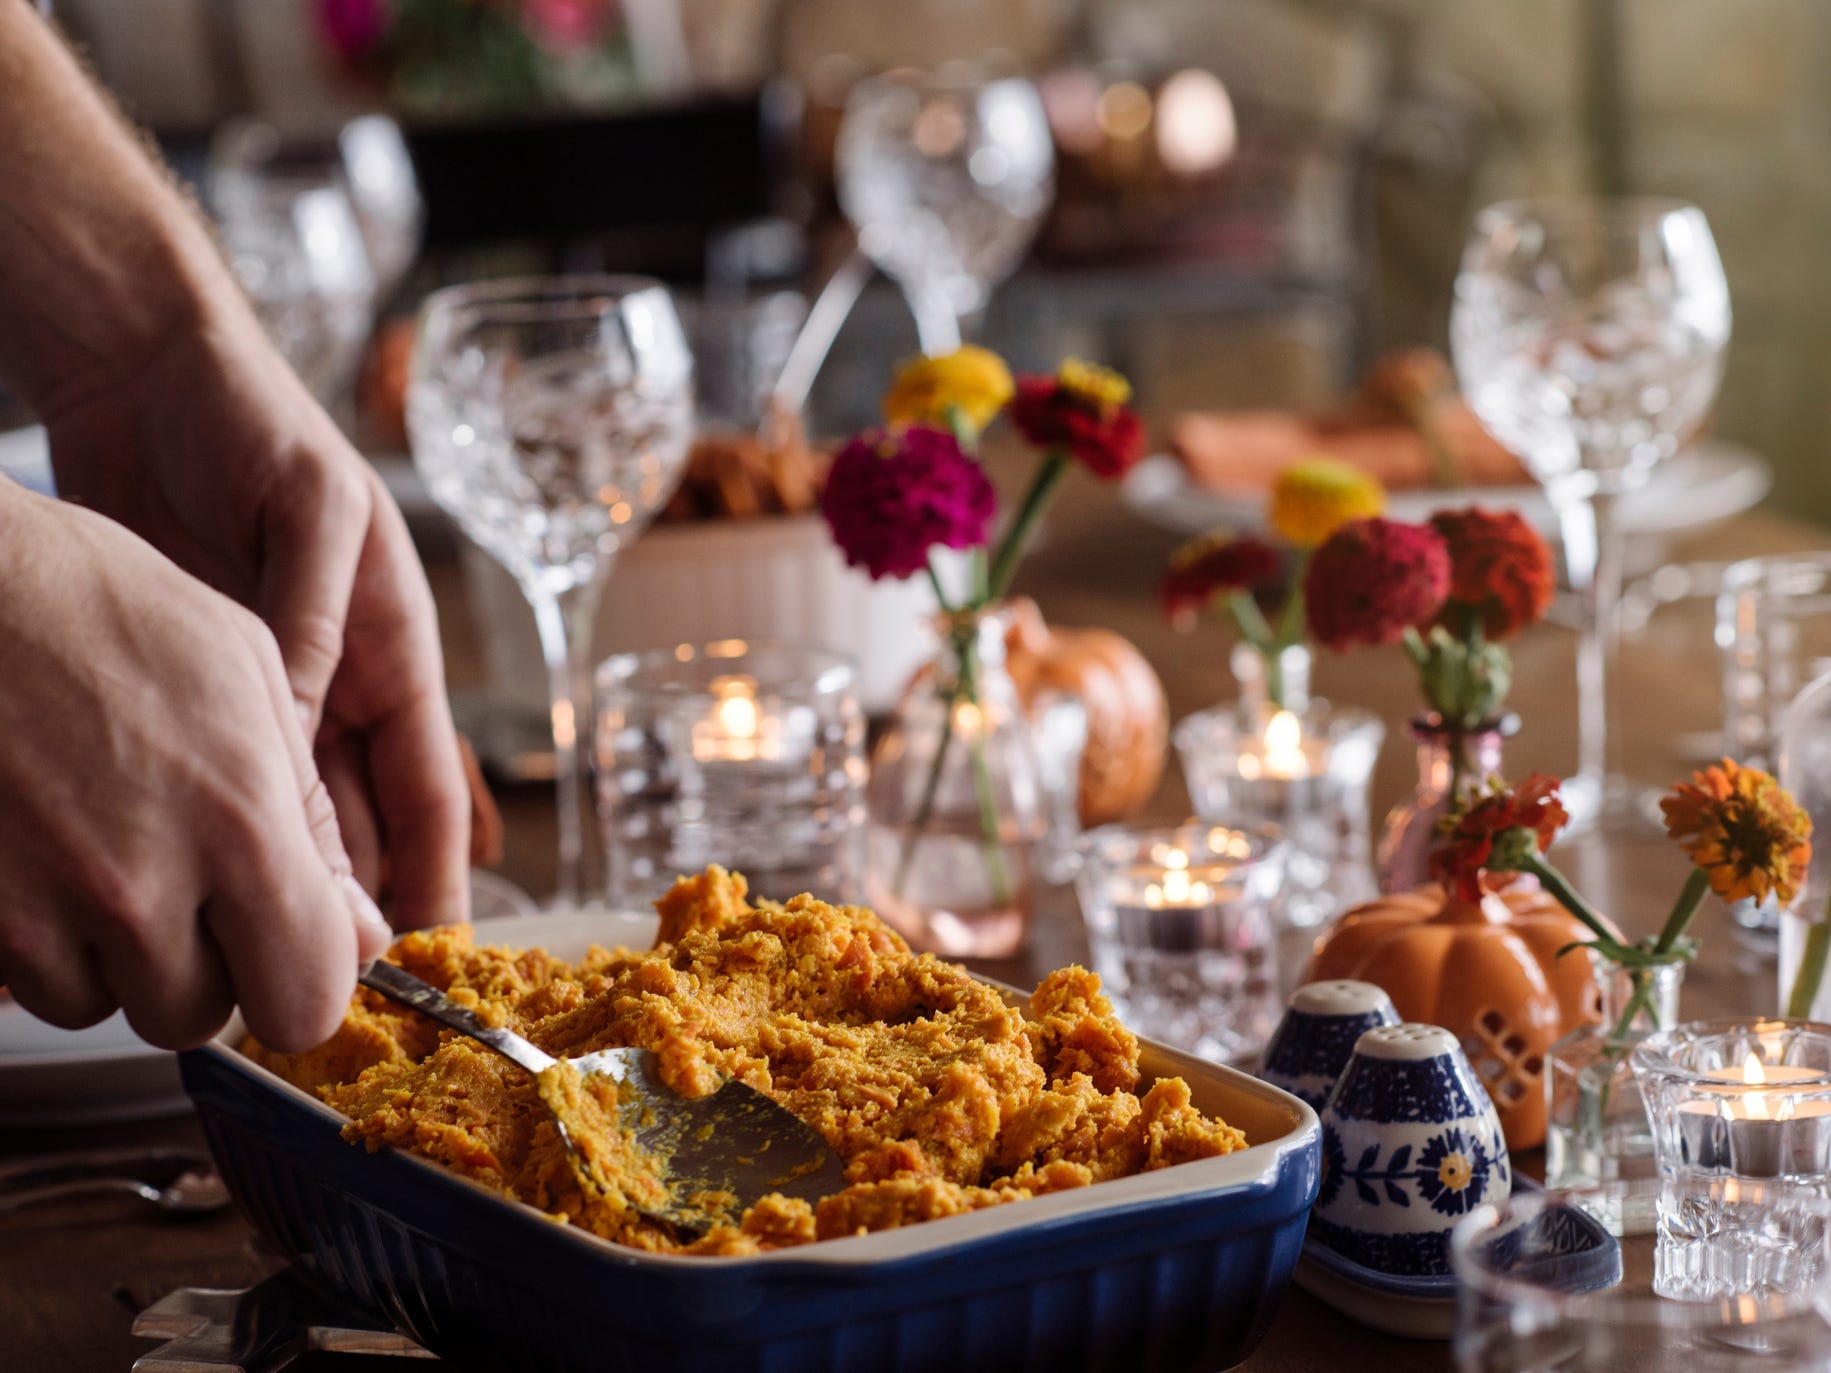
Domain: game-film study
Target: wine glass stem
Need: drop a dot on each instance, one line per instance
(1592, 558)
(565, 621)
(937, 326)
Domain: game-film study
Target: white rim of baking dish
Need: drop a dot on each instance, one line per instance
(923, 1239)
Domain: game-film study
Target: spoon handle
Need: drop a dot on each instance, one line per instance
(401, 986)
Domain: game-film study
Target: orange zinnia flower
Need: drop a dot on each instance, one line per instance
(1743, 829)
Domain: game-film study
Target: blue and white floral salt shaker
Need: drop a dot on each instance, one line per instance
(1410, 1144)
(1312, 1044)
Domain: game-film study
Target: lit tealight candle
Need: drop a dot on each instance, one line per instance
(1281, 755)
(1754, 1124)
(737, 730)
(1177, 890)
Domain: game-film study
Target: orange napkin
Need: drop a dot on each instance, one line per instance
(1382, 430)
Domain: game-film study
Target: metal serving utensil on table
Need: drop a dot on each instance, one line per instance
(736, 1141)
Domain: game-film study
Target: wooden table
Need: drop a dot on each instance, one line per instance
(71, 1276)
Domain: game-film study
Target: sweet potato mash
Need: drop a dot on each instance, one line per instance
(939, 1097)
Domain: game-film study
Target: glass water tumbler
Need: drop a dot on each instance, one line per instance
(743, 753)
(1179, 923)
(1305, 772)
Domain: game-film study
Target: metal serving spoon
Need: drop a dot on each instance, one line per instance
(736, 1143)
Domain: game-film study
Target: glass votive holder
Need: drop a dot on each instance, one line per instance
(1304, 772)
(1736, 1101)
(748, 754)
(1179, 923)
(1540, 1287)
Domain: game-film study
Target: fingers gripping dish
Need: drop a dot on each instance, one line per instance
(940, 1097)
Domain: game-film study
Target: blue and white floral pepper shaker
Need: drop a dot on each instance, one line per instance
(1410, 1144)
(1312, 1044)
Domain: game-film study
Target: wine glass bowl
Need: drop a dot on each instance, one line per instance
(1588, 336)
(946, 176)
(551, 417)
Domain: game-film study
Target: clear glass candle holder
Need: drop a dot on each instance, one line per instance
(1305, 772)
(747, 754)
(1537, 1289)
(1180, 925)
(1734, 1100)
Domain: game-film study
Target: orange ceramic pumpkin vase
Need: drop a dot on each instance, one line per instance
(1128, 719)
(1488, 971)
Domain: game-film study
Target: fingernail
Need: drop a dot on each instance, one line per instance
(362, 906)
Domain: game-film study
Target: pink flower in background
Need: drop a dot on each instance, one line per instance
(566, 25)
(352, 27)
(890, 497)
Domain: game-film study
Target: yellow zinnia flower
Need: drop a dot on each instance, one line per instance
(1743, 829)
(1314, 498)
(973, 381)
(1099, 387)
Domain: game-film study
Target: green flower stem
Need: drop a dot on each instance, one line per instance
(1036, 500)
(1690, 897)
(1566, 896)
(1250, 621)
(925, 808)
(1290, 621)
(968, 688)
(1811, 973)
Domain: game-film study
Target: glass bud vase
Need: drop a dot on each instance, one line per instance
(1282, 681)
(959, 815)
(1805, 927)
(1451, 763)
(1598, 1130)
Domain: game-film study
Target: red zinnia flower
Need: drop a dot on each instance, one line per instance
(889, 498)
(1205, 567)
(1532, 806)
(1081, 410)
(1373, 579)
(1500, 571)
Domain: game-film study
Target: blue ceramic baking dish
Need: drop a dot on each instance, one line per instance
(1180, 1269)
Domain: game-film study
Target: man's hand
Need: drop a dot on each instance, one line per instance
(169, 411)
(169, 847)
(216, 455)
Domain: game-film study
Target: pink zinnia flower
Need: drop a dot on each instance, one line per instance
(352, 27)
(567, 25)
(1374, 579)
(890, 497)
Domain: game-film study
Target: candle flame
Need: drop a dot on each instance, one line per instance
(737, 716)
(1283, 733)
(1284, 755)
(1754, 1076)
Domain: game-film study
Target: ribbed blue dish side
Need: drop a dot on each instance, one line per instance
(1183, 1283)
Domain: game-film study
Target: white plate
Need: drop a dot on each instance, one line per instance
(25, 456)
(1709, 481)
(96, 1076)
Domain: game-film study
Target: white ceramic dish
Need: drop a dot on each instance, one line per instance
(1709, 481)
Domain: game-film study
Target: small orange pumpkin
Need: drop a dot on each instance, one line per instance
(1128, 719)
(1487, 971)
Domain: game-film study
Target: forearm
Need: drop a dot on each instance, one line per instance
(101, 257)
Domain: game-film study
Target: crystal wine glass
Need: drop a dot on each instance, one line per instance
(1589, 335)
(946, 176)
(551, 416)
